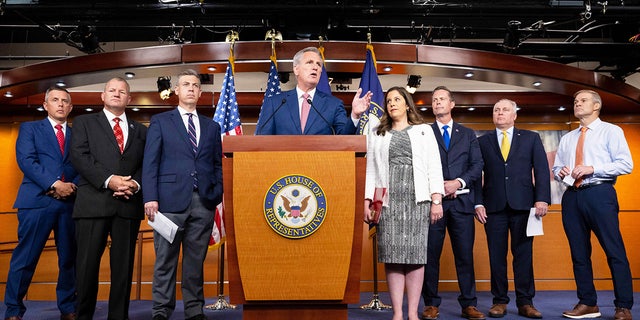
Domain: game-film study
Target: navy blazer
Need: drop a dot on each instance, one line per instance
(462, 160)
(512, 182)
(96, 156)
(280, 115)
(39, 157)
(169, 163)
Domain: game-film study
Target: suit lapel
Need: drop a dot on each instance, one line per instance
(49, 135)
(493, 141)
(205, 126)
(176, 119)
(103, 122)
(67, 142)
(455, 135)
(294, 110)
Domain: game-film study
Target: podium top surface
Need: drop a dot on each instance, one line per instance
(355, 143)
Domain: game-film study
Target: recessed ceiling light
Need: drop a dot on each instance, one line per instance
(135, 109)
(88, 109)
(518, 108)
(471, 108)
(61, 84)
(424, 109)
(40, 108)
(387, 68)
(8, 94)
(562, 108)
(129, 75)
(212, 68)
(537, 83)
(468, 74)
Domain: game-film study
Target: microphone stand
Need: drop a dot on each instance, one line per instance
(222, 303)
(375, 303)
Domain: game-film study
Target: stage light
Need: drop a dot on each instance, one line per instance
(413, 83)
(512, 37)
(164, 87)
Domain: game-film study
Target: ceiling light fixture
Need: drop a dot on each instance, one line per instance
(413, 83)
(561, 108)
(424, 109)
(387, 68)
(469, 74)
(537, 83)
(136, 109)
(88, 109)
(8, 94)
(471, 108)
(61, 84)
(164, 87)
(212, 68)
(40, 109)
(129, 75)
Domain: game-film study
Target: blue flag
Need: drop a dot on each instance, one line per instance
(370, 82)
(323, 84)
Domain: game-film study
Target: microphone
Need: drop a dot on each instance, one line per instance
(320, 114)
(271, 116)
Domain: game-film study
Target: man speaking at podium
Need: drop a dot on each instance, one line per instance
(305, 110)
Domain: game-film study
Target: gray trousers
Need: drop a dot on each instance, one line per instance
(193, 235)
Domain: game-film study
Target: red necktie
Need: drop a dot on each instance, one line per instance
(60, 137)
(304, 114)
(117, 131)
(580, 153)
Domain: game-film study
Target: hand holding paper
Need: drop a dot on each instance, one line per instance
(534, 224)
(165, 227)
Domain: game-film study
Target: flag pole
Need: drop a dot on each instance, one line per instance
(222, 303)
(375, 303)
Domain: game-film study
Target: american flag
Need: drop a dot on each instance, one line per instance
(228, 117)
(273, 82)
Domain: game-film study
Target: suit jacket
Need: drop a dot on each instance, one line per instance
(512, 182)
(39, 157)
(280, 114)
(169, 163)
(462, 160)
(96, 156)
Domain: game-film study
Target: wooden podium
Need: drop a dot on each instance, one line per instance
(293, 218)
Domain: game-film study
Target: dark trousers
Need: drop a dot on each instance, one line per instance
(92, 235)
(596, 209)
(462, 234)
(498, 227)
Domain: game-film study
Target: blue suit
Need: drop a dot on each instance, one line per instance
(39, 157)
(187, 187)
(286, 120)
(508, 194)
(462, 160)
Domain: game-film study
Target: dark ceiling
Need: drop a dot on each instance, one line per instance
(556, 30)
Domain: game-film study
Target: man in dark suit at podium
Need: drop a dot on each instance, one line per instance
(182, 179)
(290, 113)
(107, 149)
(45, 203)
(516, 178)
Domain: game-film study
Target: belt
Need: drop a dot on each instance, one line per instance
(589, 185)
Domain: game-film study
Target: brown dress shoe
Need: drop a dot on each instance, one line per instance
(69, 316)
(13, 318)
(498, 310)
(622, 314)
(583, 311)
(472, 313)
(430, 313)
(529, 311)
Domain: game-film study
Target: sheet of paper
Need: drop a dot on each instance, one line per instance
(568, 180)
(462, 191)
(165, 227)
(534, 225)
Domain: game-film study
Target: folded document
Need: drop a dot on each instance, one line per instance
(163, 226)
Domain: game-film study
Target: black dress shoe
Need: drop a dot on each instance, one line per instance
(159, 317)
(69, 316)
(13, 318)
(198, 317)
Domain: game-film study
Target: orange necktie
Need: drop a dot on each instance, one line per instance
(580, 153)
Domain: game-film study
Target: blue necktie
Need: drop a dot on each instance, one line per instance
(445, 136)
(194, 144)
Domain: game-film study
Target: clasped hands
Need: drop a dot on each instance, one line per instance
(62, 190)
(122, 186)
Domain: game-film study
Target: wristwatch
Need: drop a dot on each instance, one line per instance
(436, 202)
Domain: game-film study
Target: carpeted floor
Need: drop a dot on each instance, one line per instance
(550, 303)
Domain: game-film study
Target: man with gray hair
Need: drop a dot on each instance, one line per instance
(516, 178)
(306, 110)
(589, 161)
